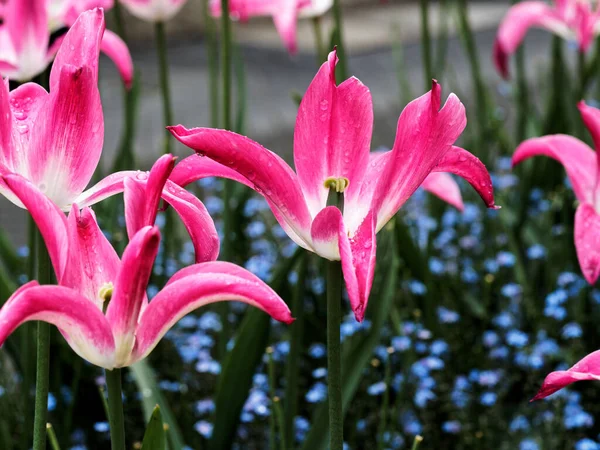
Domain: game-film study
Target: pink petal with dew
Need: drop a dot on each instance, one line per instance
(115, 48)
(130, 289)
(586, 369)
(587, 241)
(332, 135)
(81, 323)
(424, 135)
(443, 186)
(577, 158)
(467, 166)
(92, 262)
(196, 290)
(269, 174)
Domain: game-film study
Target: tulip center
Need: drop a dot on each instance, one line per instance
(339, 184)
(105, 294)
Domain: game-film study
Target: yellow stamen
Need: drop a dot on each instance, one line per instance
(339, 184)
(106, 291)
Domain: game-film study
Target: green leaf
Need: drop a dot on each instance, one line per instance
(155, 437)
(356, 353)
(240, 365)
(8, 254)
(152, 396)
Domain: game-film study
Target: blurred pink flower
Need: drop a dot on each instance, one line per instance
(331, 148)
(570, 19)
(25, 37)
(153, 10)
(284, 12)
(100, 305)
(581, 164)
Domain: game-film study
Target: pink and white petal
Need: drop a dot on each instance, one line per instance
(134, 197)
(424, 135)
(586, 369)
(80, 47)
(197, 167)
(519, 19)
(196, 220)
(268, 173)
(357, 253)
(108, 186)
(332, 135)
(81, 323)
(49, 219)
(158, 177)
(591, 119)
(216, 267)
(7, 149)
(92, 262)
(115, 48)
(67, 145)
(467, 166)
(130, 290)
(443, 186)
(194, 291)
(26, 23)
(285, 17)
(577, 158)
(587, 241)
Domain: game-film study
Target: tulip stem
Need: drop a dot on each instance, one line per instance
(42, 376)
(426, 43)
(115, 409)
(212, 54)
(318, 30)
(163, 70)
(338, 40)
(334, 299)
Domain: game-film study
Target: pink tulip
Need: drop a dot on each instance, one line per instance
(586, 369)
(442, 185)
(100, 305)
(581, 164)
(55, 139)
(570, 19)
(25, 35)
(153, 10)
(284, 13)
(331, 144)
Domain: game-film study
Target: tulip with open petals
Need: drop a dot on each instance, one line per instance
(25, 37)
(100, 305)
(571, 19)
(582, 166)
(153, 10)
(331, 153)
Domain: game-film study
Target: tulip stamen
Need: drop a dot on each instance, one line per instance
(339, 184)
(105, 294)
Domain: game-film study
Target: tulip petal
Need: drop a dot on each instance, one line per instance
(576, 157)
(519, 19)
(466, 165)
(194, 291)
(130, 290)
(67, 143)
(587, 241)
(134, 197)
(269, 174)
(591, 119)
(92, 261)
(196, 167)
(443, 186)
(80, 47)
(285, 18)
(7, 150)
(48, 218)
(586, 369)
(332, 136)
(424, 135)
(356, 252)
(108, 186)
(81, 323)
(115, 48)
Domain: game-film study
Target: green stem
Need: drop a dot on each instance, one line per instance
(522, 99)
(581, 75)
(334, 299)
(42, 378)
(226, 64)
(293, 361)
(442, 40)
(118, 15)
(115, 409)
(426, 43)
(271, 371)
(212, 53)
(416, 442)
(338, 39)
(52, 437)
(318, 32)
(163, 70)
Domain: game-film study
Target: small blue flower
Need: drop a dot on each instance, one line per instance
(401, 343)
(505, 259)
(489, 378)
(503, 320)
(557, 298)
(317, 351)
(377, 388)
(51, 402)
(528, 444)
(488, 398)
(572, 330)
(517, 338)
(555, 312)
(417, 288)
(423, 396)
(511, 290)
(320, 372)
(587, 444)
(302, 426)
(436, 266)
(204, 428)
(438, 347)
(102, 427)
(452, 427)
(536, 251)
(519, 423)
(316, 393)
(490, 338)
(499, 353)
(446, 315)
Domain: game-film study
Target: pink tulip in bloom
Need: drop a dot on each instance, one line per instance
(571, 19)
(581, 164)
(284, 12)
(153, 10)
(25, 37)
(100, 305)
(331, 152)
(55, 139)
